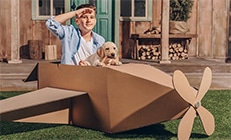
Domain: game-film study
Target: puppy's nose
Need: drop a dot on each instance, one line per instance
(112, 54)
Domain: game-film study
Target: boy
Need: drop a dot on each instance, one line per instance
(77, 43)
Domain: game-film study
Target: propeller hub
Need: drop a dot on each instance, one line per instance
(197, 104)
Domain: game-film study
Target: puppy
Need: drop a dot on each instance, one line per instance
(106, 55)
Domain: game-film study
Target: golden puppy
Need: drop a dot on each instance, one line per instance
(107, 54)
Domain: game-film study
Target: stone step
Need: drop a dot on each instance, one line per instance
(14, 82)
(188, 66)
(12, 75)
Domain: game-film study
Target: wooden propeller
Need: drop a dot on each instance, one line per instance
(187, 92)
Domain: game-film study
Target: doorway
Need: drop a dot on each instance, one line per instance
(104, 17)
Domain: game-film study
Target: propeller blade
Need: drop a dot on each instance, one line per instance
(181, 84)
(186, 124)
(207, 120)
(205, 83)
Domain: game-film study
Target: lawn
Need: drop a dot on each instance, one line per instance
(216, 101)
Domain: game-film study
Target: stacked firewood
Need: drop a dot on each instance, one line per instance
(153, 30)
(151, 52)
(177, 51)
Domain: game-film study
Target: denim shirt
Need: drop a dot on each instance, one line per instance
(70, 38)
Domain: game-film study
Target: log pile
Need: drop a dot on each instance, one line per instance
(177, 51)
(153, 30)
(151, 52)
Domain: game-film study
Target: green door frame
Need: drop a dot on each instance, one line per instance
(117, 23)
(104, 19)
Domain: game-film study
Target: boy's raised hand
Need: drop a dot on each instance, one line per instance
(83, 11)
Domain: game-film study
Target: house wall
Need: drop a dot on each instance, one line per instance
(209, 20)
(213, 28)
(5, 40)
(29, 30)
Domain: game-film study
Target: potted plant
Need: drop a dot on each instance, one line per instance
(180, 12)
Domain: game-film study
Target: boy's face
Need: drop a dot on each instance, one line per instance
(86, 22)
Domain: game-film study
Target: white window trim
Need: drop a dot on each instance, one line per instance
(35, 9)
(148, 13)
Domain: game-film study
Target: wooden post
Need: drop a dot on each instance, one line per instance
(165, 31)
(15, 32)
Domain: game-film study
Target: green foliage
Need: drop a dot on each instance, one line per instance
(180, 10)
(216, 101)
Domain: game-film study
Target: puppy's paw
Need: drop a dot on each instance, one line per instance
(84, 63)
(115, 62)
(100, 64)
(118, 63)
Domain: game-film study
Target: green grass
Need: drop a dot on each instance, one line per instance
(216, 101)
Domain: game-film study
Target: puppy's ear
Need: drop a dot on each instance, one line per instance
(100, 52)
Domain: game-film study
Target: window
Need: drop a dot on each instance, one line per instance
(42, 9)
(136, 10)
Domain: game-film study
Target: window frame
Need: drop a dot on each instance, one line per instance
(35, 9)
(148, 13)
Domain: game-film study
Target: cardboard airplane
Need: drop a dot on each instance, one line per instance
(111, 99)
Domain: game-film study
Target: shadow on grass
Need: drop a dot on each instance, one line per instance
(197, 135)
(157, 131)
(19, 127)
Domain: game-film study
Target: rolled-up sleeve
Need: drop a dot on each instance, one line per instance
(55, 27)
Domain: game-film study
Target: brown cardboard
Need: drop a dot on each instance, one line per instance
(184, 89)
(46, 105)
(119, 98)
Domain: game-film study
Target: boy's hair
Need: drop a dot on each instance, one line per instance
(91, 6)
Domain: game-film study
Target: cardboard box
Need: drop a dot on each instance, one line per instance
(111, 99)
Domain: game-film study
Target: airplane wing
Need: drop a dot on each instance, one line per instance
(47, 105)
